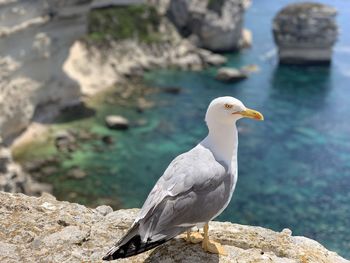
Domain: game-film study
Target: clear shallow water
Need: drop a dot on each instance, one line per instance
(294, 168)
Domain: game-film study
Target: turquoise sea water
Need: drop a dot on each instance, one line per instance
(294, 168)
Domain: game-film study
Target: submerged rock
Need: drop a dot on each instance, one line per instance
(117, 122)
(305, 33)
(65, 141)
(140, 123)
(231, 75)
(46, 230)
(172, 90)
(77, 109)
(34, 166)
(107, 139)
(77, 173)
(212, 59)
(251, 68)
(144, 104)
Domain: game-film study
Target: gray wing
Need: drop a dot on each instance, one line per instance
(192, 190)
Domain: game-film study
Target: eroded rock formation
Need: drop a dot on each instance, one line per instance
(214, 25)
(305, 33)
(35, 37)
(13, 179)
(42, 72)
(95, 69)
(46, 230)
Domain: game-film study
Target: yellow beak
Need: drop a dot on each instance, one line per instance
(252, 114)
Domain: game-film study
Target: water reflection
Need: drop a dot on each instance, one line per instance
(305, 86)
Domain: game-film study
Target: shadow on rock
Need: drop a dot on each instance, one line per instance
(177, 250)
(72, 111)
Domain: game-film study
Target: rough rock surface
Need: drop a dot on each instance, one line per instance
(230, 75)
(95, 69)
(35, 37)
(117, 122)
(214, 25)
(45, 230)
(13, 179)
(305, 33)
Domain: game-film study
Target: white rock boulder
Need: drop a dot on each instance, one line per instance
(117, 122)
(231, 75)
(305, 33)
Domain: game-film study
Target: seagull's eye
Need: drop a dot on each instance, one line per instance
(228, 106)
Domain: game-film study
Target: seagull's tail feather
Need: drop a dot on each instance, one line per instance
(131, 244)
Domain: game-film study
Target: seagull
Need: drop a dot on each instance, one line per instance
(195, 188)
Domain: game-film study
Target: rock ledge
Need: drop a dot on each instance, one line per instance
(46, 230)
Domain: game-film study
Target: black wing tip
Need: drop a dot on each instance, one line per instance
(133, 247)
(119, 253)
(112, 254)
(107, 257)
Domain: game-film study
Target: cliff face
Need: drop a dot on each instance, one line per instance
(13, 179)
(35, 37)
(214, 25)
(43, 69)
(46, 230)
(95, 69)
(125, 41)
(305, 33)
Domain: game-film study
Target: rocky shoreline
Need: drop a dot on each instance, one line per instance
(43, 150)
(95, 69)
(14, 180)
(46, 230)
(55, 66)
(50, 67)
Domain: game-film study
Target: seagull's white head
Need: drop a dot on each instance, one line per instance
(227, 110)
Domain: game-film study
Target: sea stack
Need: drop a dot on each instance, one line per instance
(305, 33)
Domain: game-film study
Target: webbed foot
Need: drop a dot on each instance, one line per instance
(214, 247)
(193, 237)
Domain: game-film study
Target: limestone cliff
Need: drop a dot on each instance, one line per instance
(214, 25)
(35, 37)
(46, 230)
(95, 69)
(13, 179)
(43, 69)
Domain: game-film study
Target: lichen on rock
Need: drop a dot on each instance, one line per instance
(46, 230)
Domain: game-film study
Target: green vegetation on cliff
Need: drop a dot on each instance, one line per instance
(138, 22)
